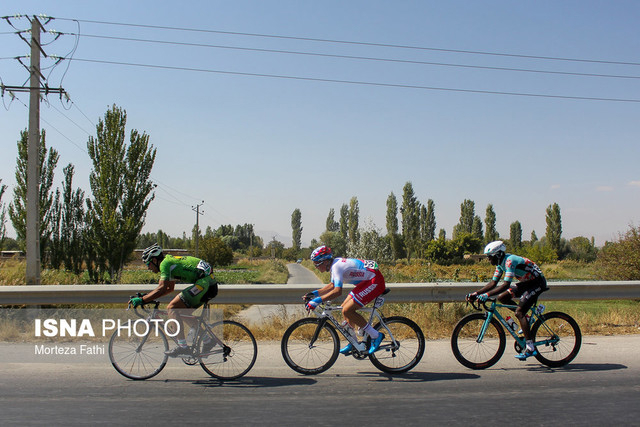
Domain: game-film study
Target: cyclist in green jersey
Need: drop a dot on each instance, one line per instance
(187, 269)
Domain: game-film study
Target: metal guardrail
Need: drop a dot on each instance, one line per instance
(290, 294)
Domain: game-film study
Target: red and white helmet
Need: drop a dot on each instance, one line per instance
(321, 253)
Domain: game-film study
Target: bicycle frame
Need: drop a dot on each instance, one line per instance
(201, 327)
(492, 311)
(325, 313)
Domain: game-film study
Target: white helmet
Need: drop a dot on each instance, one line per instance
(494, 248)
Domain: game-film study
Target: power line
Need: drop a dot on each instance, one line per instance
(365, 58)
(350, 42)
(355, 82)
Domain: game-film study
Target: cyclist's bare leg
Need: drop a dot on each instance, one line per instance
(349, 307)
(175, 307)
(506, 298)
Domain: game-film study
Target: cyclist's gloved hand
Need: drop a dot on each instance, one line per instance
(472, 296)
(311, 305)
(483, 297)
(134, 302)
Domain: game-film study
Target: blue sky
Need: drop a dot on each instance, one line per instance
(257, 133)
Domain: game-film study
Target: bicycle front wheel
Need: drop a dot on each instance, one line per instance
(562, 337)
(306, 357)
(402, 347)
(138, 358)
(469, 349)
(236, 357)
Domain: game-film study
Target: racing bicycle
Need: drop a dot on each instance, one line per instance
(225, 349)
(311, 345)
(478, 340)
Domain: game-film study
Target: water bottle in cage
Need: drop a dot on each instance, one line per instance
(540, 309)
(511, 323)
(191, 335)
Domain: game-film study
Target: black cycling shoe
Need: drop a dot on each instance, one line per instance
(178, 351)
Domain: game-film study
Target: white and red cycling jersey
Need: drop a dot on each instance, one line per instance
(364, 274)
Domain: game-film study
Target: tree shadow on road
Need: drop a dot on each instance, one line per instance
(255, 382)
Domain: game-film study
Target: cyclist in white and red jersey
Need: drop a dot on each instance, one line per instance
(531, 283)
(369, 284)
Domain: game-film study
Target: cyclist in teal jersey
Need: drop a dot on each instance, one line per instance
(187, 269)
(531, 283)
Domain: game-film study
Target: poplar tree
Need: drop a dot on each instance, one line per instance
(18, 208)
(344, 221)
(515, 235)
(332, 224)
(410, 211)
(296, 227)
(392, 226)
(68, 237)
(3, 216)
(490, 233)
(554, 227)
(354, 218)
(430, 221)
(122, 191)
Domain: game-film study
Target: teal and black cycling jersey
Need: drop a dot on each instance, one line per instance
(516, 267)
(187, 269)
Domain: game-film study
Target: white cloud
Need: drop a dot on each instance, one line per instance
(634, 184)
(555, 186)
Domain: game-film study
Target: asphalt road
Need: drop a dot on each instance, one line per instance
(601, 387)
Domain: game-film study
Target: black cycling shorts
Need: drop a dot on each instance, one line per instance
(528, 291)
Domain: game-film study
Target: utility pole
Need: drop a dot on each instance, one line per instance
(33, 161)
(33, 153)
(198, 212)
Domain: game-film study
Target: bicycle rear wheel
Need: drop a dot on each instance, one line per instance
(405, 353)
(563, 335)
(473, 353)
(138, 358)
(304, 357)
(236, 357)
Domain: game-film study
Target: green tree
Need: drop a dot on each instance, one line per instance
(335, 241)
(354, 219)
(344, 221)
(68, 239)
(371, 245)
(392, 226)
(476, 229)
(122, 191)
(534, 237)
(332, 224)
(430, 221)
(490, 234)
(296, 226)
(3, 216)
(554, 227)
(18, 208)
(582, 249)
(515, 235)
(620, 260)
(215, 251)
(410, 212)
(467, 215)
